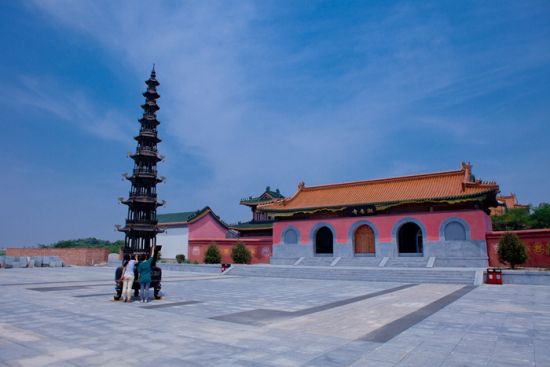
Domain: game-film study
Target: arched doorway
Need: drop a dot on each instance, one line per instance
(364, 241)
(410, 239)
(323, 241)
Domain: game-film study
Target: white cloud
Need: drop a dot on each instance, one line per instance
(70, 106)
(217, 68)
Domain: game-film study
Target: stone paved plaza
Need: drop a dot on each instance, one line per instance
(67, 317)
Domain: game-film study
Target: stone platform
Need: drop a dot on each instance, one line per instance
(66, 317)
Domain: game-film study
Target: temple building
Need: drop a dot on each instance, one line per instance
(442, 217)
(507, 202)
(190, 233)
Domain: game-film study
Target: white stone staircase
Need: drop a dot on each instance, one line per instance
(373, 274)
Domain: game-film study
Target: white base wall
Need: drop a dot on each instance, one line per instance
(174, 241)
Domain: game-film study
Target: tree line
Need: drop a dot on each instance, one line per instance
(523, 218)
(91, 242)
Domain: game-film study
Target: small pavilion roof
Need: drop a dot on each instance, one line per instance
(267, 197)
(386, 192)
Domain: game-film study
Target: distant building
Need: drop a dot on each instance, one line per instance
(507, 202)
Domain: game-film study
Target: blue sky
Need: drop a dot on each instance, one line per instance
(262, 93)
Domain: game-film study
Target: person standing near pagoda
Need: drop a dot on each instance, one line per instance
(128, 278)
(144, 277)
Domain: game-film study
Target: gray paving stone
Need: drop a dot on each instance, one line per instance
(503, 325)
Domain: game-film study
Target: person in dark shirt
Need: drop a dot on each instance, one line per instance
(144, 271)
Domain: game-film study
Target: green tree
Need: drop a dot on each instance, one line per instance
(91, 242)
(240, 254)
(541, 216)
(513, 219)
(511, 250)
(212, 255)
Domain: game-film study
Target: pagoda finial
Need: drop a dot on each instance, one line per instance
(153, 73)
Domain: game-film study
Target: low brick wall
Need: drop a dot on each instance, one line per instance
(537, 242)
(70, 256)
(259, 248)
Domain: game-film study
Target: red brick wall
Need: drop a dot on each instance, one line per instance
(260, 249)
(537, 242)
(70, 256)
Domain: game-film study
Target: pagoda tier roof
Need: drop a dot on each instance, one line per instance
(149, 133)
(146, 155)
(446, 186)
(143, 177)
(152, 81)
(151, 93)
(140, 228)
(268, 196)
(145, 137)
(142, 201)
(150, 105)
(146, 117)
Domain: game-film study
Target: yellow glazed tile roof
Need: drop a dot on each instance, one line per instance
(423, 187)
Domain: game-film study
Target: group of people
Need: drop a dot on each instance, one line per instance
(143, 266)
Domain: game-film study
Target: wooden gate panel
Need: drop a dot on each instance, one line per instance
(364, 240)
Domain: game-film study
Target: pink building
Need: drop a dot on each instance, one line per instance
(191, 233)
(443, 215)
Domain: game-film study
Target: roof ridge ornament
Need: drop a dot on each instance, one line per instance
(301, 185)
(467, 167)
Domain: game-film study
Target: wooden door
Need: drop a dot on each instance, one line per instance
(364, 240)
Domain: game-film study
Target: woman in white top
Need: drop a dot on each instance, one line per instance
(127, 278)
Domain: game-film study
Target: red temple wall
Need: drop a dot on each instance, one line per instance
(206, 227)
(260, 248)
(479, 223)
(537, 242)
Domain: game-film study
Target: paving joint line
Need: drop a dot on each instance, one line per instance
(396, 327)
(262, 316)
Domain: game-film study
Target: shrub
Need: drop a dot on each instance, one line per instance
(212, 255)
(180, 258)
(240, 254)
(511, 250)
